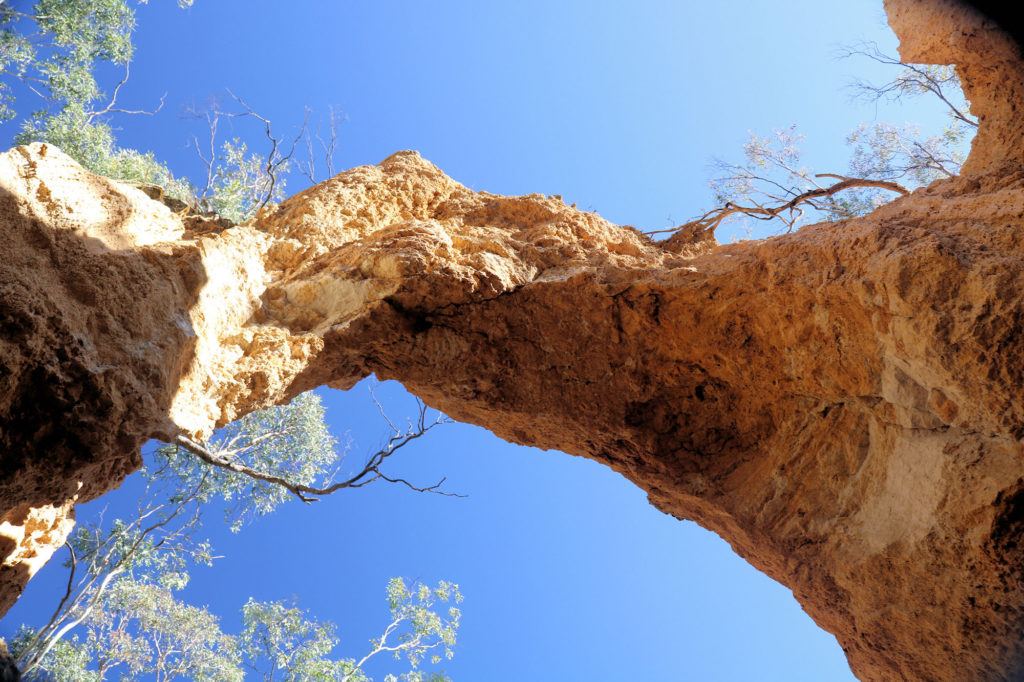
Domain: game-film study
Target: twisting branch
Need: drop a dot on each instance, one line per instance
(369, 473)
(772, 184)
(926, 78)
(267, 171)
(112, 105)
(710, 220)
(275, 161)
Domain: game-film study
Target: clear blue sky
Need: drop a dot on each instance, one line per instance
(568, 573)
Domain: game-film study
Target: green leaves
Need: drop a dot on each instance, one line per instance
(142, 629)
(124, 575)
(279, 633)
(891, 152)
(89, 144)
(418, 626)
(54, 51)
(241, 183)
(57, 55)
(16, 56)
(145, 629)
(91, 30)
(138, 628)
(291, 441)
(67, 661)
(279, 642)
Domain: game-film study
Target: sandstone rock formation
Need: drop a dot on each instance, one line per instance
(842, 404)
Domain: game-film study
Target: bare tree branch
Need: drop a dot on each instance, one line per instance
(713, 218)
(331, 146)
(212, 119)
(111, 106)
(927, 79)
(274, 160)
(257, 190)
(369, 473)
(308, 168)
(328, 147)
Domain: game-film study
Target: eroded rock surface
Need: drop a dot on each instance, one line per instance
(842, 404)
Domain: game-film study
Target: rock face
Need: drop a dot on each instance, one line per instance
(842, 404)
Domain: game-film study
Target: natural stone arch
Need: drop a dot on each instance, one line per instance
(841, 404)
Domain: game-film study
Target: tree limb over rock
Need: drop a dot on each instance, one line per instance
(368, 474)
(713, 218)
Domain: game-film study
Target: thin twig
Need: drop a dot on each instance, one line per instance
(111, 106)
(893, 90)
(369, 473)
(275, 160)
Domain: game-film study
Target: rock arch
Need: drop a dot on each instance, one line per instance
(841, 404)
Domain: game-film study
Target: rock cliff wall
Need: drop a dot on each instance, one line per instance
(841, 404)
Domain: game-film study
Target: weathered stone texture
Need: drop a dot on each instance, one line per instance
(842, 404)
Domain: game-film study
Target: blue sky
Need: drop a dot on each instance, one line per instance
(568, 573)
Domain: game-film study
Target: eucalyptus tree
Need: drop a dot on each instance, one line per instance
(773, 184)
(280, 642)
(119, 613)
(142, 629)
(50, 54)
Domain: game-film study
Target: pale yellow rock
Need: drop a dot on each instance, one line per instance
(34, 533)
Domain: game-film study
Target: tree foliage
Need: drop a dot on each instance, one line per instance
(278, 636)
(53, 53)
(143, 629)
(773, 183)
(290, 442)
(120, 613)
